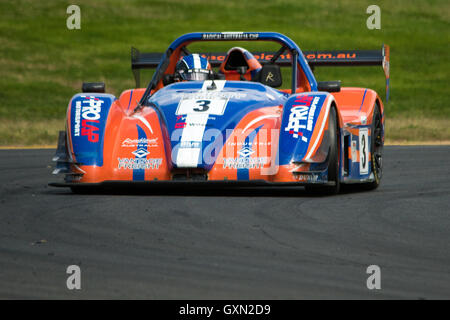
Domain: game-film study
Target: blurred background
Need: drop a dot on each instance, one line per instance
(43, 63)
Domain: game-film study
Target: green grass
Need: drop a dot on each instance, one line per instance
(42, 63)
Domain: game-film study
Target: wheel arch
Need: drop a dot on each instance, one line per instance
(356, 105)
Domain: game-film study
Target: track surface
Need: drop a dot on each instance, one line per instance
(271, 244)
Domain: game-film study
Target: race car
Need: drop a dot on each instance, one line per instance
(234, 126)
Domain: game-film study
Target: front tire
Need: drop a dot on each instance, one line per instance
(333, 164)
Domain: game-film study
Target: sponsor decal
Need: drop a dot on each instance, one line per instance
(230, 36)
(307, 177)
(133, 143)
(302, 116)
(88, 119)
(270, 77)
(250, 144)
(77, 121)
(141, 152)
(196, 124)
(311, 113)
(246, 152)
(138, 163)
(182, 124)
(90, 130)
(330, 55)
(190, 144)
(287, 58)
(87, 113)
(244, 163)
(209, 95)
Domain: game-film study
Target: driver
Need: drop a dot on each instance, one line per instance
(193, 67)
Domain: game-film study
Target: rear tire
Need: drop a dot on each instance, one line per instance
(333, 164)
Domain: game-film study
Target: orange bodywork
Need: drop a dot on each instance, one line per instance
(166, 132)
(123, 119)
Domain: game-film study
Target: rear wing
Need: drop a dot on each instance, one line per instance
(314, 58)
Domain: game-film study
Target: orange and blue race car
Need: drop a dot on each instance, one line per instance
(230, 126)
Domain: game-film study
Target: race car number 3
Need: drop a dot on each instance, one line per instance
(205, 106)
(363, 151)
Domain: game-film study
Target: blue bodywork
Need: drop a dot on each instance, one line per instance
(242, 98)
(88, 116)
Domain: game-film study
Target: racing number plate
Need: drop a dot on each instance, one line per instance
(202, 106)
(364, 151)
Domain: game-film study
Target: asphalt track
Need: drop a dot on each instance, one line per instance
(243, 244)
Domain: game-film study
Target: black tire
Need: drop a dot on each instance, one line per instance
(333, 164)
(376, 149)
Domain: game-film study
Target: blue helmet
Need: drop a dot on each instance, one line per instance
(193, 67)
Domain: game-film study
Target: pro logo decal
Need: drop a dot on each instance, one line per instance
(302, 116)
(87, 113)
(88, 116)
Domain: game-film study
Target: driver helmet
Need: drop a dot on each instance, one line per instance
(193, 67)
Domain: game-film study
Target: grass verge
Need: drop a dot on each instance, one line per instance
(43, 63)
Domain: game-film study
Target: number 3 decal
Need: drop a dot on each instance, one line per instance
(363, 150)
(214, 106)
(204, 104)
(363, 147)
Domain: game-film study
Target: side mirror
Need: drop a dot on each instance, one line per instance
(270, 75)
(93, 87)
(329, 86)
